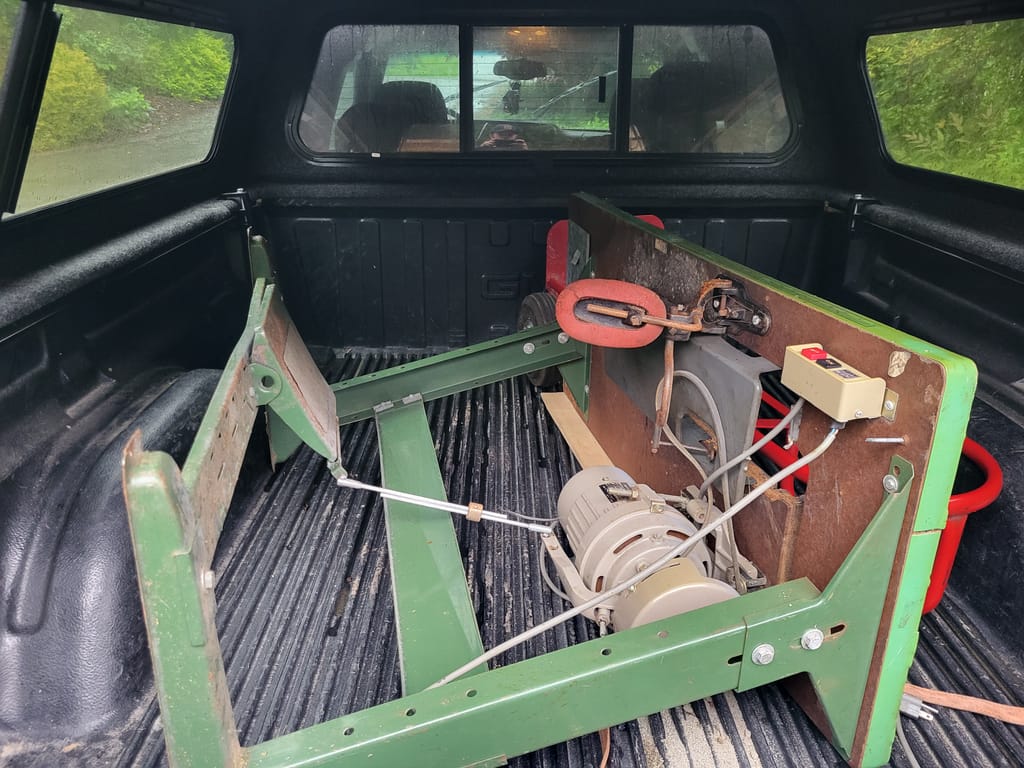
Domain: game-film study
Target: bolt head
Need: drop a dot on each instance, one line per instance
(209, 579)
(890, 483)
(529, 348)
(889, 405)
(763, 654)
(812, 639)
(563, 338)
(755, 320)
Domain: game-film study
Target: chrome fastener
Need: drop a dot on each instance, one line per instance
(763, 654)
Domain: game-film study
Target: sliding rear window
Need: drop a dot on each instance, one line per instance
(384, 88)
(125, 99)
(395, 89)
(706, 89)
(952, 99)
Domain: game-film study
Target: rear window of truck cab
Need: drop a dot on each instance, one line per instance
(395, 89)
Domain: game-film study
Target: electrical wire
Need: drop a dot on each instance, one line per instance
(902, 738)
(661, 562)
(547, 576)
(783, 423)
(716, 418)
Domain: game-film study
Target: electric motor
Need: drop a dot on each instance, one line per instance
(618, 529)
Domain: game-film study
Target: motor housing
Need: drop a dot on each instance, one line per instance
(617, 529)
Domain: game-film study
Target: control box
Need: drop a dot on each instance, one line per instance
(830, 385)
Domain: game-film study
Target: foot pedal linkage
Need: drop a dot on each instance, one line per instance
(614, 313)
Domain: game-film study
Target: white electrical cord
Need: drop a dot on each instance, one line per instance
(901, 736)
(783, 423)
(716, 418)
(547, 576)
(672, 554)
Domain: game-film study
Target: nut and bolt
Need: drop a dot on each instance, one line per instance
(763, 654)
(563, 338)
(812, 639)
(891, 483)
(529, 348)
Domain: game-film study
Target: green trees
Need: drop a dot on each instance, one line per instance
(952, 99)
(108, 71)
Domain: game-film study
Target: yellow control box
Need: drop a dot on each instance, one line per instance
(830, 385)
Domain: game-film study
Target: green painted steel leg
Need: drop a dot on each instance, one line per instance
(437, 629)
(195, 707)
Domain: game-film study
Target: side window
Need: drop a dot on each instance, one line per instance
(8, 16)
(125, 99)
(384, 88)
(544, 88)
(706, 89)
(952, 99)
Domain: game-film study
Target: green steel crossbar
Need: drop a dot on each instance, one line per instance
(458, 370)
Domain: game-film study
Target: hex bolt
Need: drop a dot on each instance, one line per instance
(891, 483)
(763, 654)
(209, 579)
(529, 348)
(812, 639)
(755, 320)
(563, 338)
(889, 405)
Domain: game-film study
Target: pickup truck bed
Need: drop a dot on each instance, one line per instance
(306, 623)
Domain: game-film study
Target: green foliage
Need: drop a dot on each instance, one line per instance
(74, 102)
(191, 65)
(951, 99)
(158, 58)
(420, 65)
(129, 111)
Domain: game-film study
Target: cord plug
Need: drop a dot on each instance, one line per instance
(911, 706)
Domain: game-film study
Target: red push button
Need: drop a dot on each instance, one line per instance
(814, 353)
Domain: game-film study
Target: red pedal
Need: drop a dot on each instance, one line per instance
(603, 331)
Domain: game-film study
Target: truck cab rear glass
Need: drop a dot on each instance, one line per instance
(383, 89)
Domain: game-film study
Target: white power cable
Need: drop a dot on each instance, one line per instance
(783, 423)
(678, 551)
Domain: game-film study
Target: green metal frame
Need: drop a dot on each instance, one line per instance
(176, 516)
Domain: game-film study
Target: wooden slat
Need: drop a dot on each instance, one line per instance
(577, 434)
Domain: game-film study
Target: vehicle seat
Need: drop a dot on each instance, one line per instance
(671, 108)
(381, 124)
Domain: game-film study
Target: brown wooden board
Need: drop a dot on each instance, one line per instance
(845, 485)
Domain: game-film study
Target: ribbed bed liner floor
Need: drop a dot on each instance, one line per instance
(307, 628)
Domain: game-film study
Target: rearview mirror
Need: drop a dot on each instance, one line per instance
(520, 69)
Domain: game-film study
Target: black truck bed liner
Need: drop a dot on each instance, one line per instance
(307, 629)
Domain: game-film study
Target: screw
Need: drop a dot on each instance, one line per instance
(563, 338)
(812, 639)
(763, 654)
(858, 414)
(209, 579)
(755, 320)
(716, 303)
(889, 405)
(529, 348)
(586, 388)
(890, 483)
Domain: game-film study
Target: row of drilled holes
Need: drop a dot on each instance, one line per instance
(837, 629)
